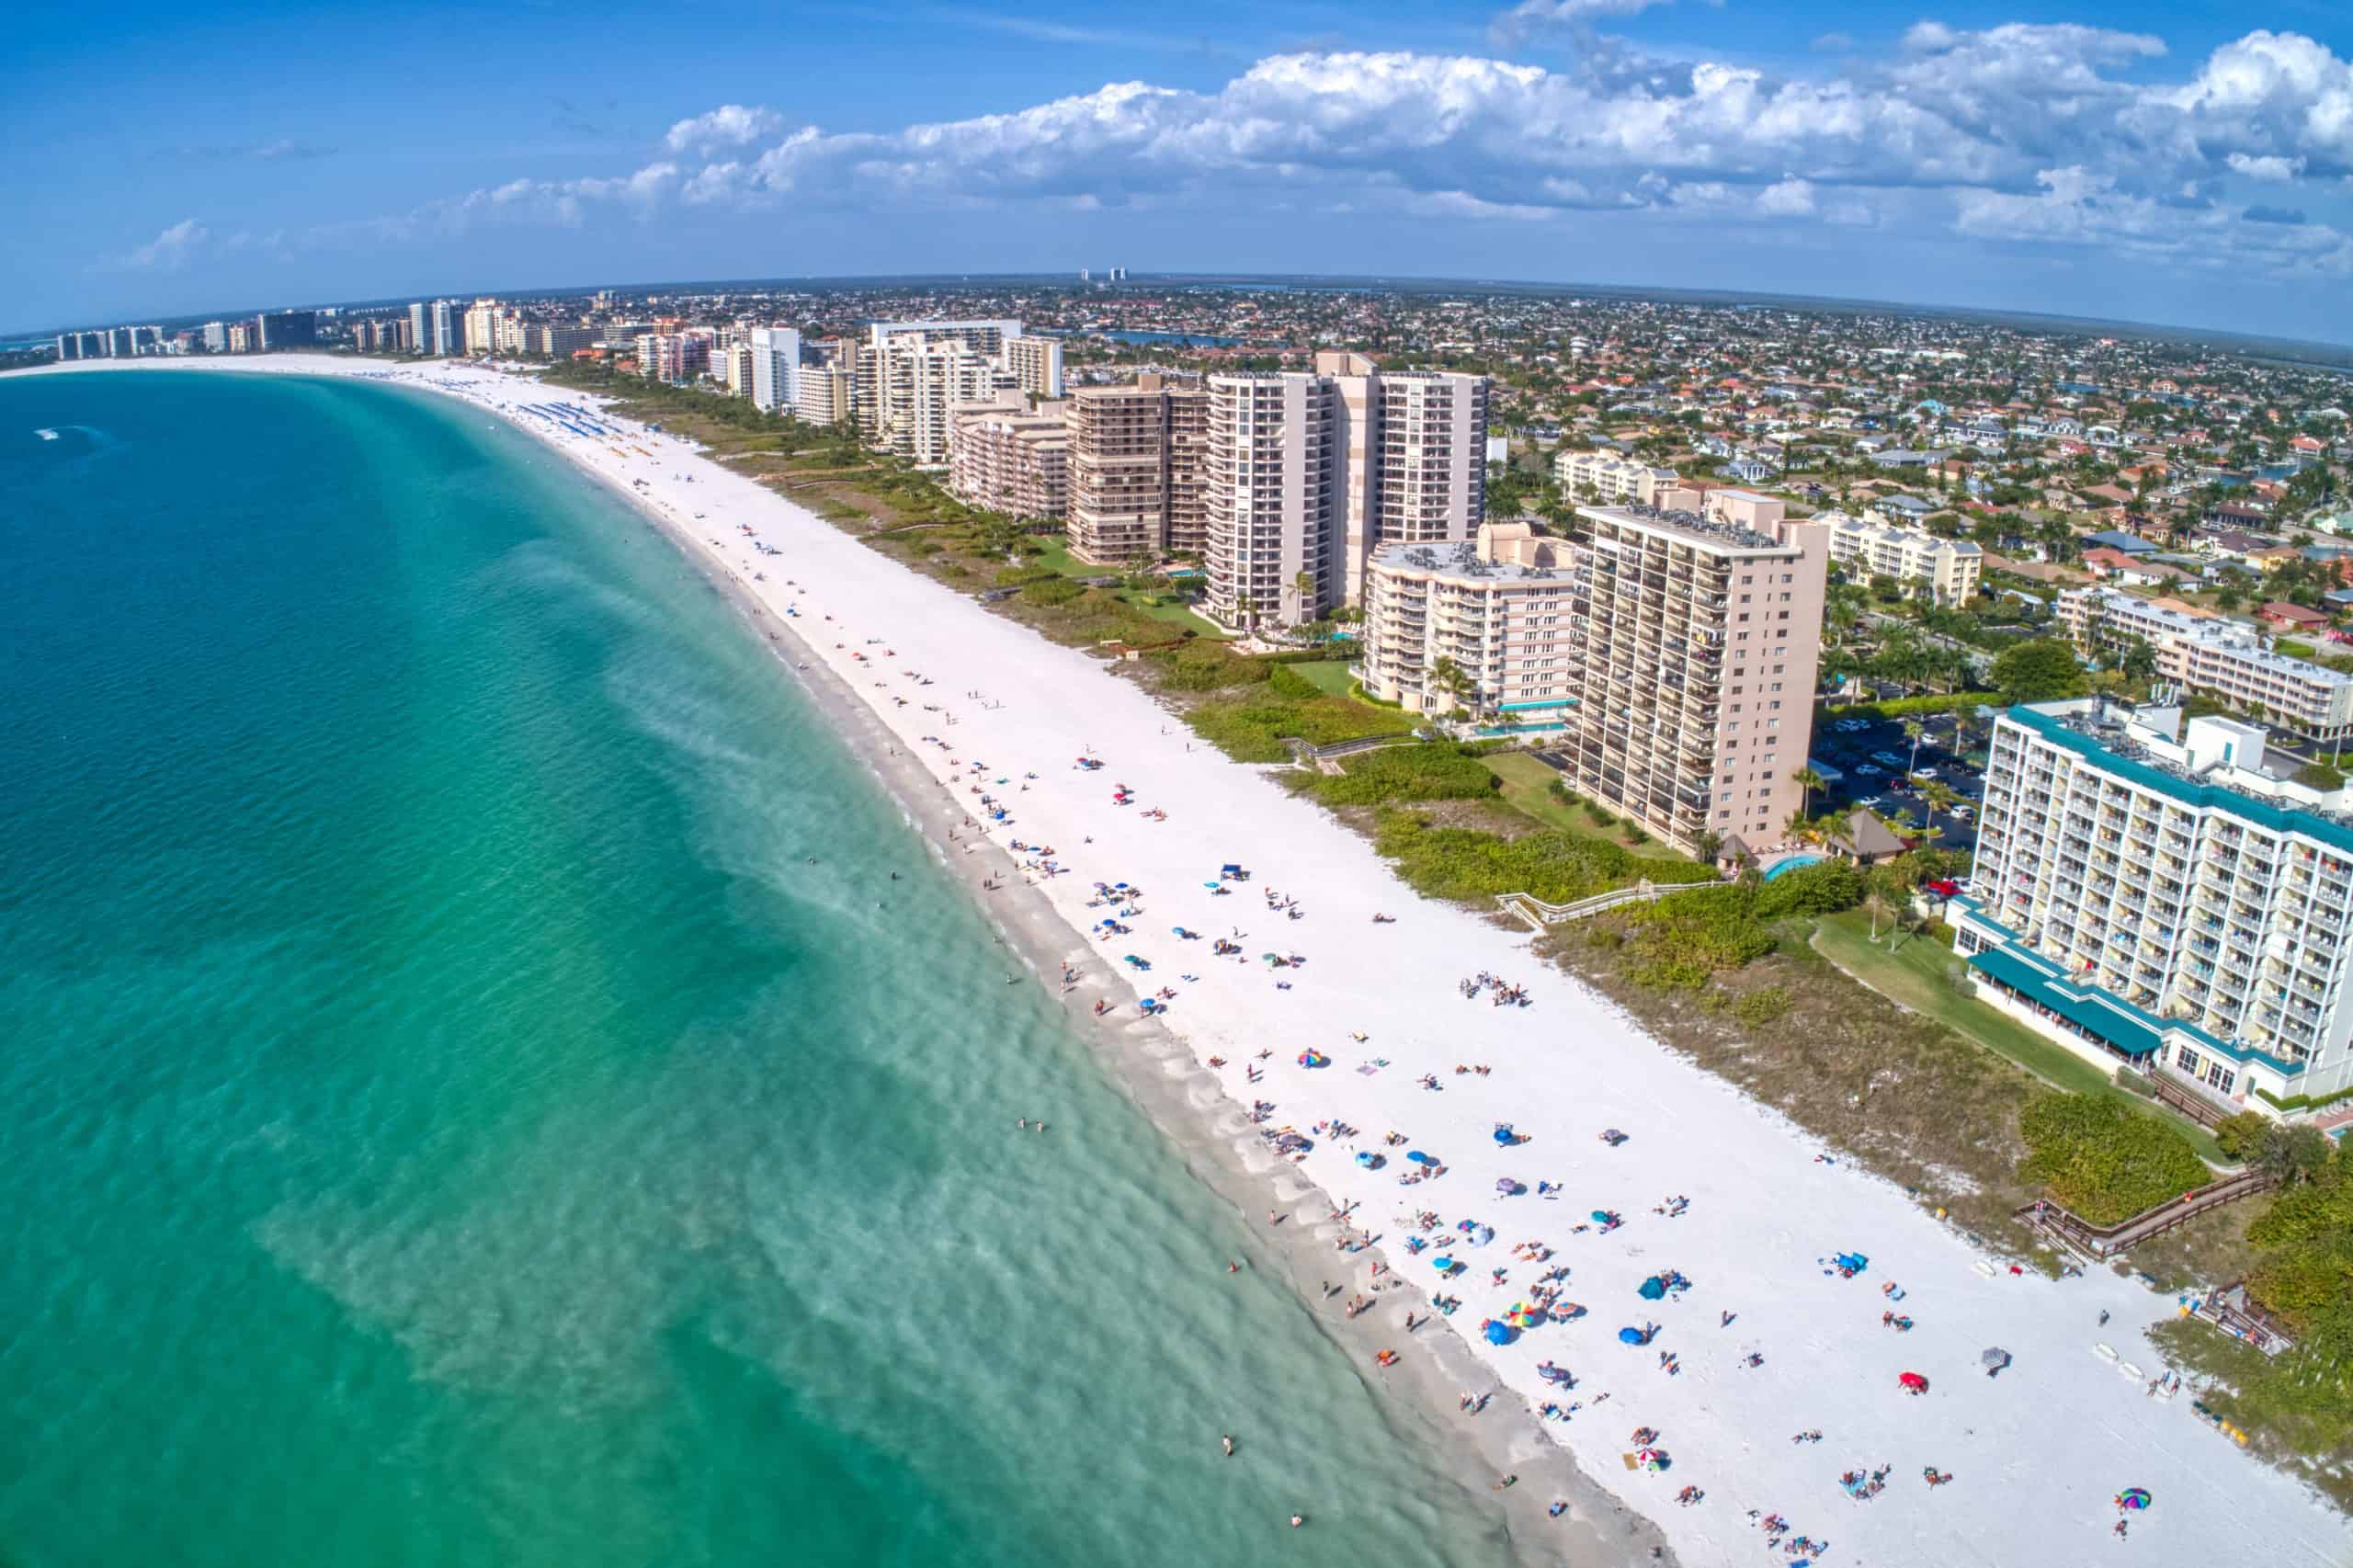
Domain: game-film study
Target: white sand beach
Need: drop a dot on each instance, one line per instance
(2036, 1455)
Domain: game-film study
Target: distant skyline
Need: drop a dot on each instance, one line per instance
(2178, 164)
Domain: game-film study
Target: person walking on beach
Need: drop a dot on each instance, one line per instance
(1228, 1442)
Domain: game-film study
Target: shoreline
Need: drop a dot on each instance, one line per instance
(1766, 1202)
(1206, 1132)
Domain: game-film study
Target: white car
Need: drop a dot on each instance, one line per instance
(1868, 770)
(1924, 773)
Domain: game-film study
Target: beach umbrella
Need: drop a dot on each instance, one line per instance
(1443, 1264)
(1651, 1290)
(1913, 1382)
(1419, 1158)
(1634, 1337)
(1482, 1236)
(2134, 1497)
(1504, 1135)
(1499, 1333)
(1313, 1058)
(1601, 1216)
(1996, 1357)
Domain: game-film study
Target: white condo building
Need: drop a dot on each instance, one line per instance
(2161, 893)
(1608, 478)
(1946, 571)
(776, 367)
(2215, 657)
(1311, 471)
(1499, 608)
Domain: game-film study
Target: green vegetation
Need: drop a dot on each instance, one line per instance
(2301, 1401)
(1536, 790)
(1550, 866)
(1395, 775)
(2320, 776)
(1330, 676)
(1680, 943)
(2039, 671)
(1909, 707)
(2102, 1161)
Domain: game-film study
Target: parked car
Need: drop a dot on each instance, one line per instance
(1868, 770)
(1892, 758)
(1924, 773)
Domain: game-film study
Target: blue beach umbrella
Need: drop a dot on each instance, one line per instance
(1632, 1336)
(1601, 1216)
(1499, 1333)
(1419, 1158)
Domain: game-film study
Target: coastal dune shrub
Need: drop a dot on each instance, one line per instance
(1398, 774)
(2103, 1160)
(1252, 729)
(1550, 866)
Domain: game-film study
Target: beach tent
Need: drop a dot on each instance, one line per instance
(1601, 1216)
(1994, 1360)
(1652, 1289)
(1419, 1158)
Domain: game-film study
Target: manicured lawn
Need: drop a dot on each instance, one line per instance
(1913, 976)
(1056, 557)
(1329, 675)
(1176, 612)
(1528, 789)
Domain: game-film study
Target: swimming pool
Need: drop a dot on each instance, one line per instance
(1794, 863)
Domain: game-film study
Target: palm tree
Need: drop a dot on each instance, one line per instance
(1875, 906)
(2138, 661)
(1807, 781)
(1913, 731)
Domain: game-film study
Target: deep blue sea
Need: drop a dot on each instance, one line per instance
(446, 1121)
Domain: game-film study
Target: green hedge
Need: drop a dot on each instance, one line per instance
(2301, 1102)
(2103, 1160)
(1906, 707)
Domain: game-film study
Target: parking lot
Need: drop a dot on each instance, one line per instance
(1873, 755)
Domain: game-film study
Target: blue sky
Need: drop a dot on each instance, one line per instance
(2187, 164)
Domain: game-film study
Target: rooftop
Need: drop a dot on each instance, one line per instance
(1690, 525)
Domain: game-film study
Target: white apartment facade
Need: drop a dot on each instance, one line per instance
(1944, 571)
(1498, 609)
(2215, 657)
(1271, 511)
(1612, 480)
(1010, 458)
(1379, 458)
(776, 367)
(2152, 892)
(825, 396)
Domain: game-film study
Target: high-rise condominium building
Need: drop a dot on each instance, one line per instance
(920, 378)
(776, 367)
(2156, 892)
(482, 327)
(1271, 508)
(674, 357)
(1036, 364)
(122, 343)
(68, 345)
(420, 327)
(1697, 644)
(2214, 657)
(1309, 472)
(826, 395)
(448, 329)
(1011, 460)
(1137, 457)
(562, 340)
(1487, 626)
(241, 337)
(286, 329)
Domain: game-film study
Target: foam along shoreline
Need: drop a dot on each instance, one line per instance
(2036, 1455)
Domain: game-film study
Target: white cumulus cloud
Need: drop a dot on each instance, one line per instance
(729, 125)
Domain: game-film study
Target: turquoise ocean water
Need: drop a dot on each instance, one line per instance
(445, 1121)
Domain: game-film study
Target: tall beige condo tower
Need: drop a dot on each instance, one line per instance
(1136, 454)
(1035, 365)
(1701, 639)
